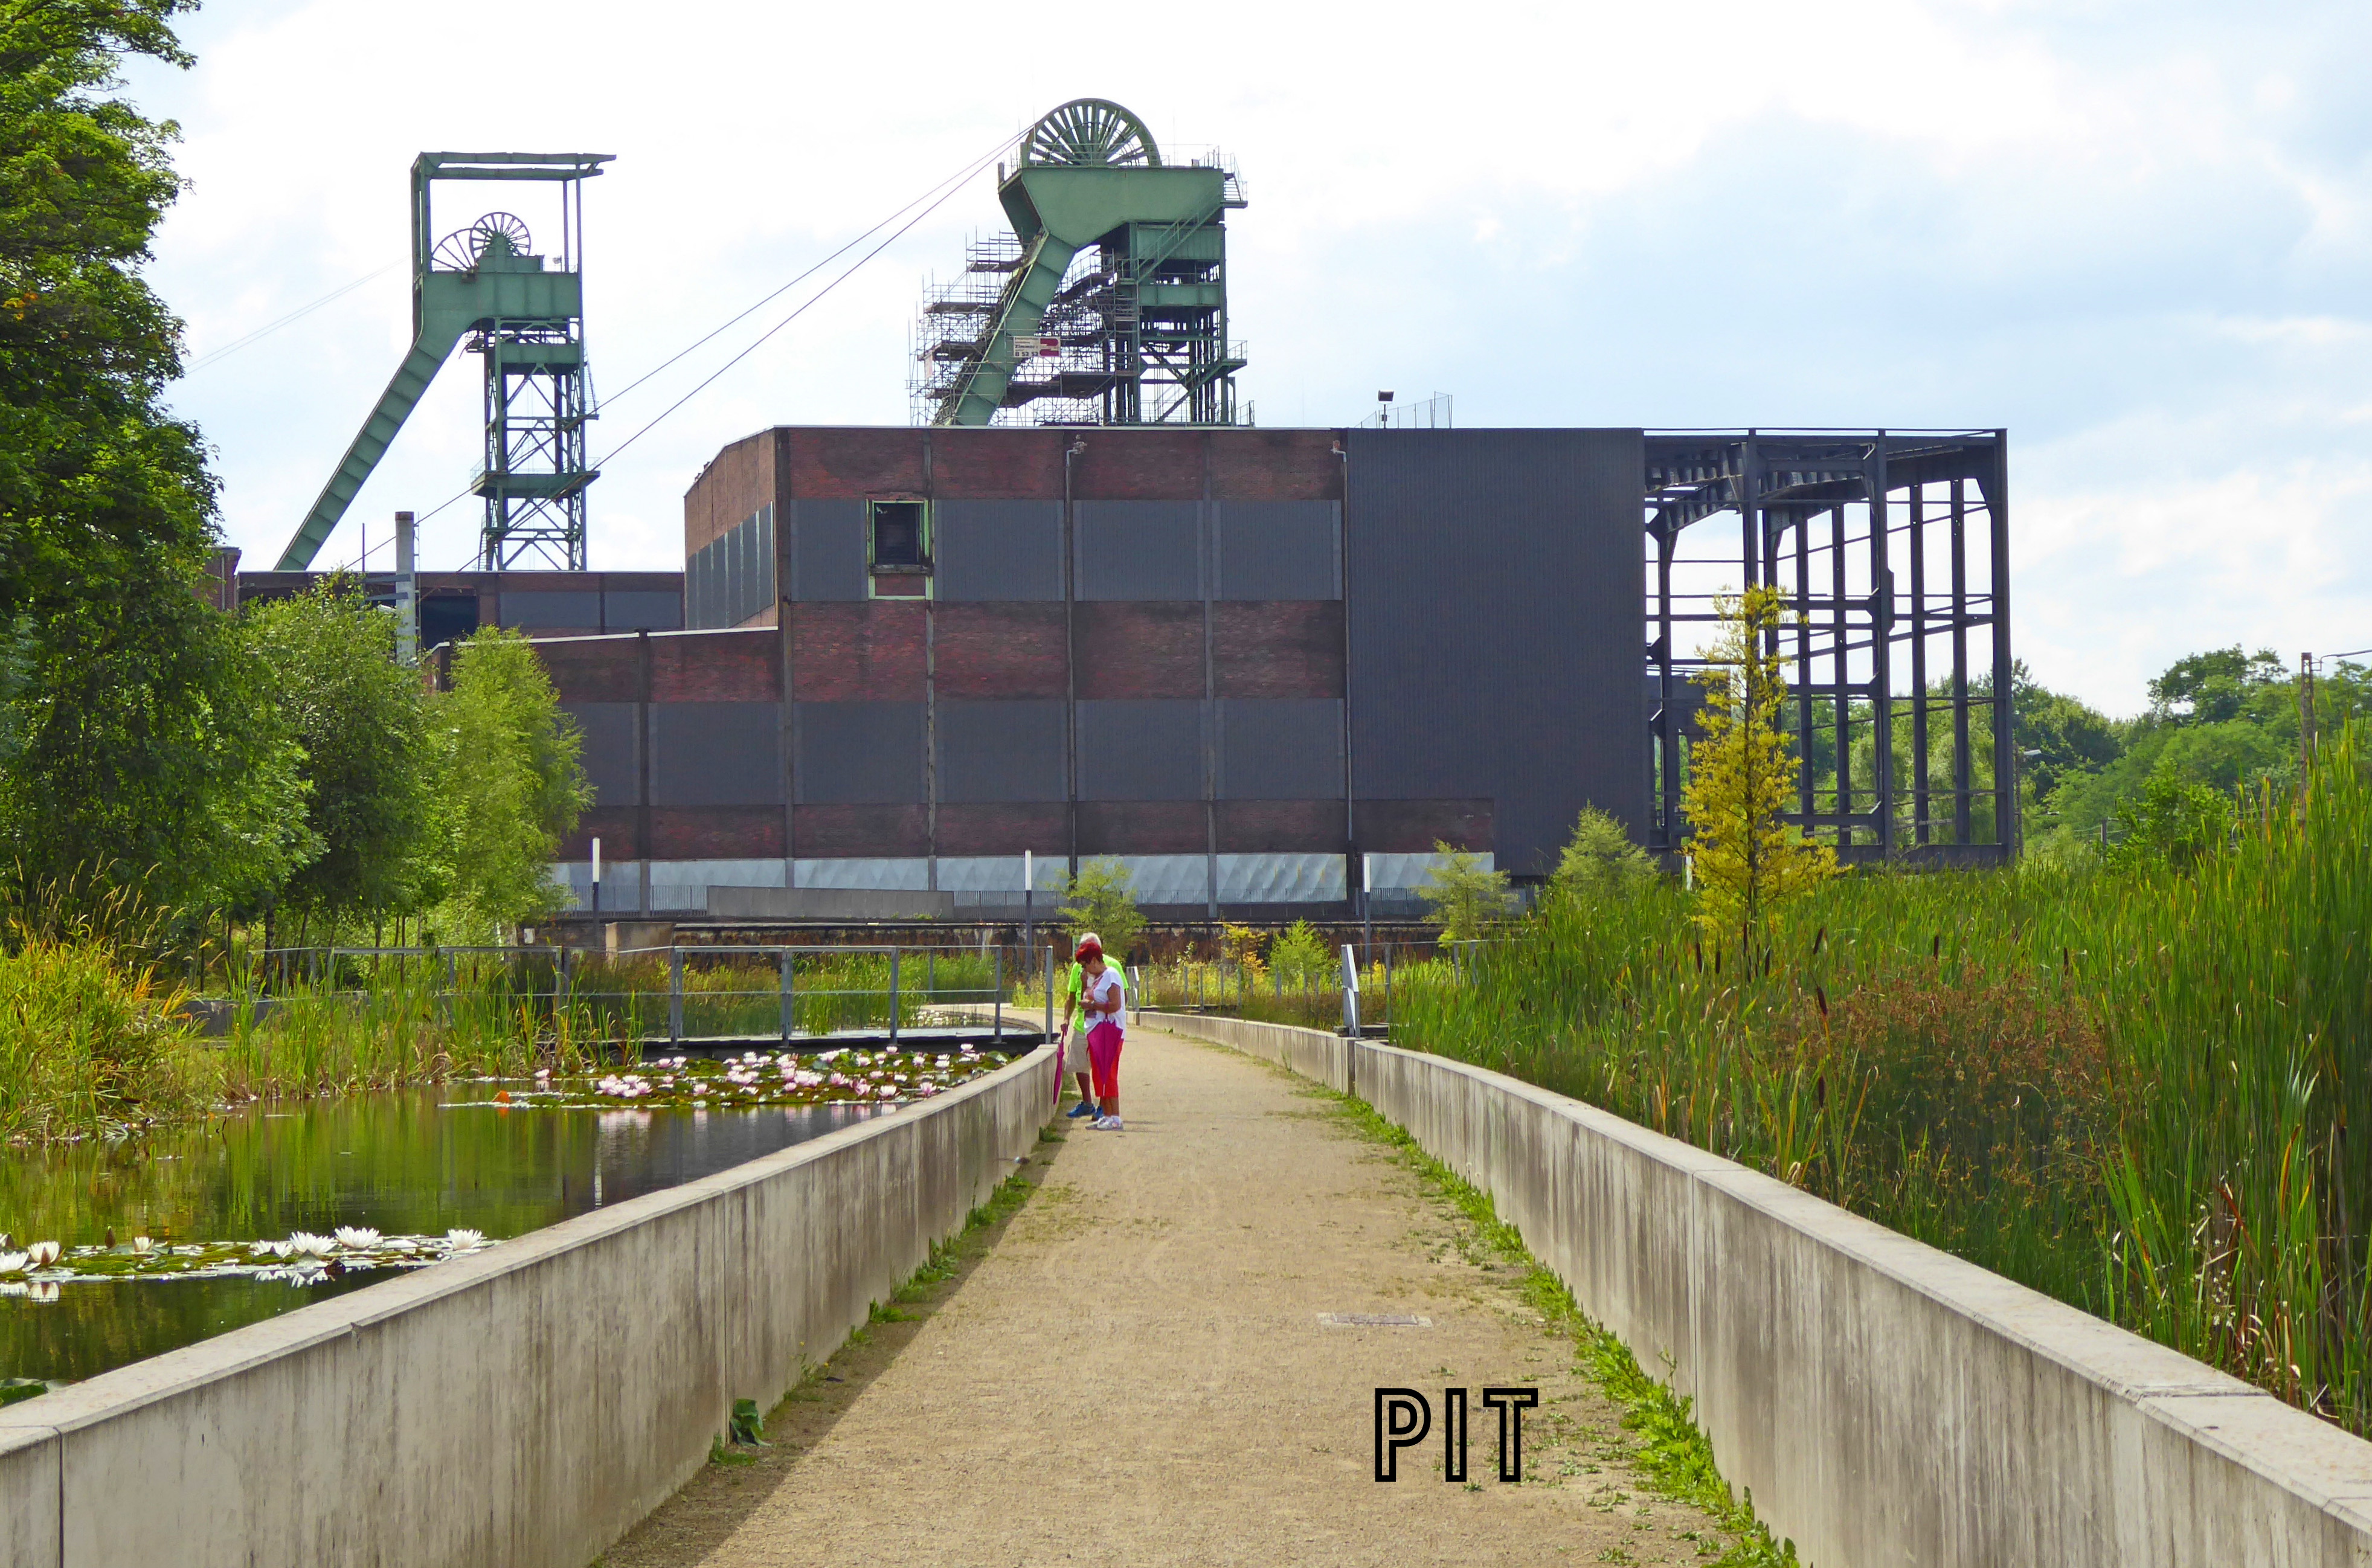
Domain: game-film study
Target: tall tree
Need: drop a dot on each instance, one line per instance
(363, 721)
(134, 741)
(509, 786)
(1747, 860)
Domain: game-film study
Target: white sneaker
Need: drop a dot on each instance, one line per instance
(1107, 1125)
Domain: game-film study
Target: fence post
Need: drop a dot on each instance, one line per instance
(893, 998)
(1350, 992)
(675, 996)
(1000, 992)
(1050, 1007)
(790, 1014)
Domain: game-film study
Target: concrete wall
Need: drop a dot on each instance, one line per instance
(1885, 1403)
(523, 1407)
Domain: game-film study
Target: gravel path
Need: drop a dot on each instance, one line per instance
(1134, 1371)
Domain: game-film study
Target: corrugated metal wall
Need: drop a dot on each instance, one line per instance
(828, 550)
(990, 552)
(1495, 630)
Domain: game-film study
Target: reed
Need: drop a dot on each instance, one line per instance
(2131, 1089)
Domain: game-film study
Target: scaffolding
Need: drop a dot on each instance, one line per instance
(1891, 550)
(1107, 302)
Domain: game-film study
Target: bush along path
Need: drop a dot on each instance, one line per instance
(1168, 1353)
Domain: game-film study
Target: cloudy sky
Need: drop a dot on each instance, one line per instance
(2138, 236)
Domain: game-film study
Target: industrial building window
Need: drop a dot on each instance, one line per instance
(900, 540)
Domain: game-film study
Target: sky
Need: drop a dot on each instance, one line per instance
(2138, 237)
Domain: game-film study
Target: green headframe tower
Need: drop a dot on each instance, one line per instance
(484, 286)
(1107, 303)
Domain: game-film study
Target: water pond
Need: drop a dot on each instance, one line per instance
(186, 1233)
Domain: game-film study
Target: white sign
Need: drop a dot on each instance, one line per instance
(1025, 347)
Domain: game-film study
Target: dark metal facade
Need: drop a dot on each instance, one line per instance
(1892, 550)
(1495, 631)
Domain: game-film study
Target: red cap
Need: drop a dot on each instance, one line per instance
(1091, 948)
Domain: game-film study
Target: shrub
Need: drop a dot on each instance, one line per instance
(1299, 956)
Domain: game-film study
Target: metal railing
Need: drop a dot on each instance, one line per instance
(828, 984)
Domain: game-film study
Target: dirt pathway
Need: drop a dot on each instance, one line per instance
(1135, 1371)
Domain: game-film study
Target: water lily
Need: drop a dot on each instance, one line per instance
(357, 1238)
(142, 1246)
(41, 1254)
(305, 1242)
(12, 1262)
(463, 1240)
(888, 1091)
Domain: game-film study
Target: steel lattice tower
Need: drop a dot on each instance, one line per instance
(483, 288)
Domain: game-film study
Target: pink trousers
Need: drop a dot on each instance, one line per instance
(1103, 1060)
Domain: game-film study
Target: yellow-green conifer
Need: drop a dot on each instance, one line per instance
(1742, 774)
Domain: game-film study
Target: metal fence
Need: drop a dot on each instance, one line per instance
(676, 993)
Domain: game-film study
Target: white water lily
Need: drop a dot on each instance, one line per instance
(462, 1240)
(41, 1254)
(359, 1238)
(305, 1241)
(12, 1262)
(142, 1246)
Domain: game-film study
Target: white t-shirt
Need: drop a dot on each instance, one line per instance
(1104, 991)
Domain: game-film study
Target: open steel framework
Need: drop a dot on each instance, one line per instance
(1891, 549)
(1107, 303)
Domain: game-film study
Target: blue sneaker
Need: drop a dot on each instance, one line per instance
(1084, 1108)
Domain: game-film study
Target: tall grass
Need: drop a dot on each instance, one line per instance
(2132, 1091)
(88, 1042)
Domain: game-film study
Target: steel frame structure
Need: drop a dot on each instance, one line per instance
(1892, 550)
(481, 287)
(1107, 303)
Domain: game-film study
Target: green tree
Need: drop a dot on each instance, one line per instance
(2172, 822)
(1600, 861)
(1299, 956)
(509, 786)
(363, 721)
(1467, 899)
(1098, 899)
(135, 741)
(2213, 687)
(1742, 776)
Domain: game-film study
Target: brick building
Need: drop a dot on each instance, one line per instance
(1256, 665)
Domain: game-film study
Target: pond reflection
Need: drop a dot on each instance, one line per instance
(403, 1161)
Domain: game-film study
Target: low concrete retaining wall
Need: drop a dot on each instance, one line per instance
(525, 1406)
(1887, 1403)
